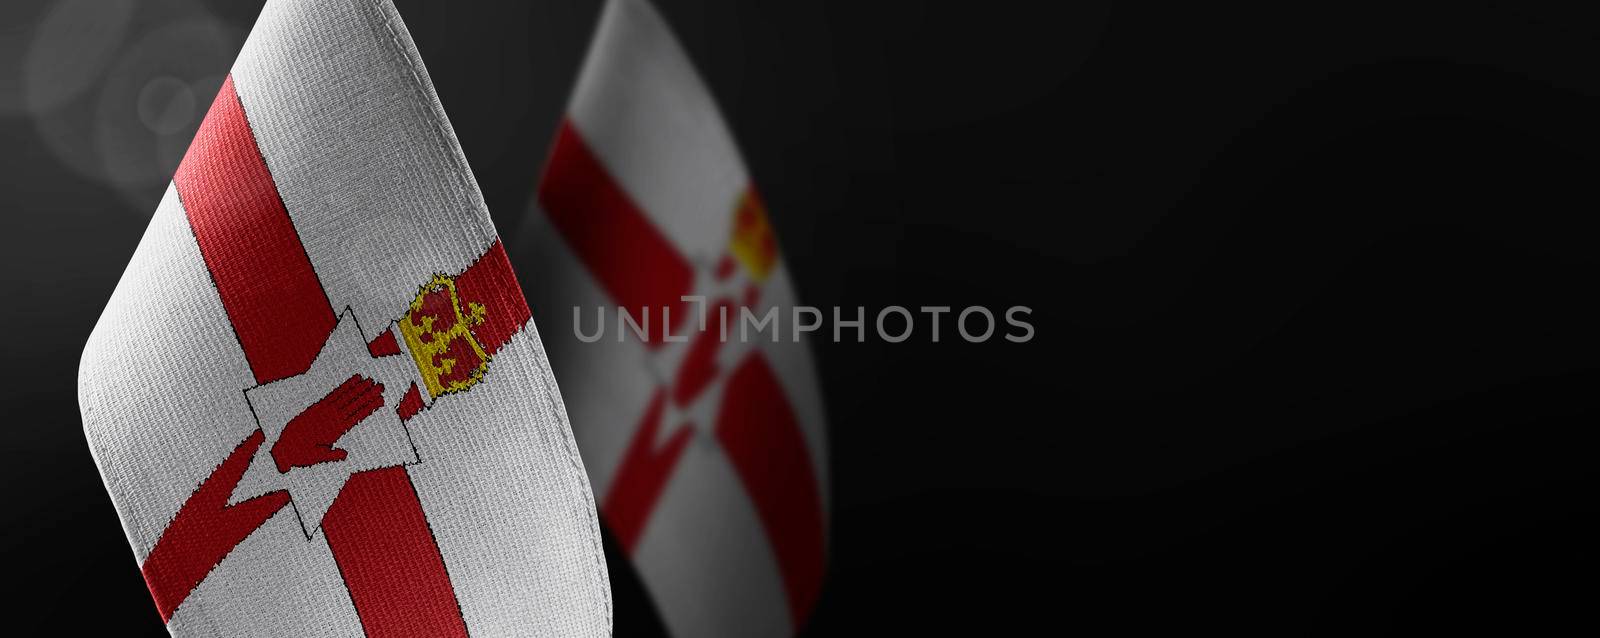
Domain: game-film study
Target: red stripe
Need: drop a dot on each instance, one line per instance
(491, 283)
(380, 537)
(699, 367)
(637, 265)
(642, 475)
(206, 529)
(384, 345)
(757, 427)
(272, 295)
(282, 318)
(410, 404)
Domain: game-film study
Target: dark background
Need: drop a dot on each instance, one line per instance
(1312, 287)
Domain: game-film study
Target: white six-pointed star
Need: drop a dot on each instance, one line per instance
(376, 441)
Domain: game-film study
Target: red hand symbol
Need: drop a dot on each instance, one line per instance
(309, 437)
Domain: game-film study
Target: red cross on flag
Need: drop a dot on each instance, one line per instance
(708, 453)
(316, 397)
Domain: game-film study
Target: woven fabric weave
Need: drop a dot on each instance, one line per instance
(316, 396)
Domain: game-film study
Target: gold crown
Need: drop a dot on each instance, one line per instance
(439, 334)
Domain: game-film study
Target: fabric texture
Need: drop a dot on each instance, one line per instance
(708, 454)
(316, 396)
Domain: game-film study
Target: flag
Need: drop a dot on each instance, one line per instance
(708, 454)
(315, 396)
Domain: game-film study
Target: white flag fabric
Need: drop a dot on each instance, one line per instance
(707, 451)
(316, 397)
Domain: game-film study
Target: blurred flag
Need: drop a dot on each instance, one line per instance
(708, 455)
(315, 397)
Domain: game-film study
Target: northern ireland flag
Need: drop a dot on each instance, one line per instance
(707, 448)
(316, 397)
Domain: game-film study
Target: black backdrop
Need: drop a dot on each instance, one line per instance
(1315, 348)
